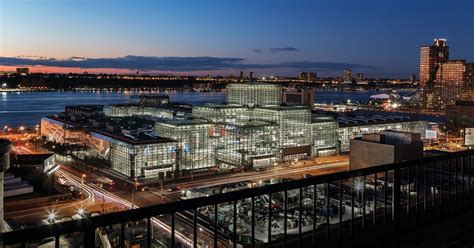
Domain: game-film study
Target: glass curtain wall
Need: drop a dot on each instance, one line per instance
(194, 149)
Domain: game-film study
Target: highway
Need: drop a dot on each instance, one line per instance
(279, 172)
(99, 192)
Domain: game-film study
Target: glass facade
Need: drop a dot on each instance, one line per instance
(194, 150)
(252, 94)
(249, 143)
(324, 136)
(348, 132)
(266, 134)
(221, 113)
(143, 161)
(252, 130)
(130, 110)
(294, 123)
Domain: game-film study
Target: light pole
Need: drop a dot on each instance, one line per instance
(161, 186)
(133, 192)
(82, 182)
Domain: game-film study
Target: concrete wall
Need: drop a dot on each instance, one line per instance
(366, 154)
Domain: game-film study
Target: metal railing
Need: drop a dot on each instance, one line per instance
(362, 206)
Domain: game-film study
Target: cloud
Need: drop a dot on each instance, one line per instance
(177, 64)
(283, 49)
(257, 50)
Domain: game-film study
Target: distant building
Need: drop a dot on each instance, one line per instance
(459, 116)
(450, 78)
(468, 91)
(385, 147)
(413, 78)
(308, 76)
(299, 97)
(351, 127)
(154, 100)
(443, 81)
(252, 94)
(430, 56)
(360, 77)
(348, 75)
(23, 71)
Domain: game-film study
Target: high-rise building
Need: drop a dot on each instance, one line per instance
(443, 81)
(348, 75)
(468, 89)
(450, 79)
(308, 76)
(430, 56)
(413, 78)
(360, 77)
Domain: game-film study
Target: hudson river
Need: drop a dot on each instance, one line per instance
(27, 108)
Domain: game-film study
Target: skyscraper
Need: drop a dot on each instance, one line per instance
(413, 78)
(360, 77)
(450, 79)
(308, 76)
(430, 56)
(348, 75)
(433, 91)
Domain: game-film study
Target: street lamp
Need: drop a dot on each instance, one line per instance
(81, 211)
(133, 191)
(82, 182)
(52, 216)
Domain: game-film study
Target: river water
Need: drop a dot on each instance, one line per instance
(27, 108)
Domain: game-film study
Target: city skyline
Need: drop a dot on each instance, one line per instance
(271, 38)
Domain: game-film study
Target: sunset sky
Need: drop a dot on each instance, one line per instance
(378, 37)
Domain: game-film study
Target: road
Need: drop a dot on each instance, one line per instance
(120, 198)
(101, 193)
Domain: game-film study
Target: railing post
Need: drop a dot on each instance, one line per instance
(122, 235)
(328, 202)
(252, 222)
(195, 212)
(315, 209)
(148, 231)
(469, 179)
(234, 227)
(173, 237)
(56, 241)
(216, 224)
(89, 236)
(396, 205)
(285, 221)
(270, 220)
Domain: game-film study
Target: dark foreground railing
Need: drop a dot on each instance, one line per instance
(361, 207)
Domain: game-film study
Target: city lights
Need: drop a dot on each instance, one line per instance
(81, 211)
(237, 123)
(52, 215)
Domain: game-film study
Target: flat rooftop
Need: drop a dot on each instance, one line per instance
(181, 122)
(283, 107)
(221, 106)
(131, 124)
(347, 121)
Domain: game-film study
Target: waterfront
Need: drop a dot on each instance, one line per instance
(26, 108)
